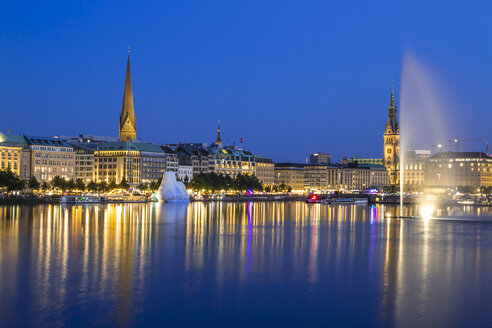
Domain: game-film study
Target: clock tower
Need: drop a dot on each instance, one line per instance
(391, 155)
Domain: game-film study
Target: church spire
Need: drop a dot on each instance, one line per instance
(127, 129)
(392, 100)
(219, 140)
(392, 123)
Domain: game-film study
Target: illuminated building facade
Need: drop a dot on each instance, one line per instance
(153, 162)
(231, 161)
(265, 170)
(325, 178)
(353, 176)
(185, 172)
(196, 154)
(228, 160)
(458, 169)
(290, 174)
(315, 177)
(391, 148)
(379, 176)
(137, 162)
(14, 155)
(84, 163)
(172, 161)
(114, 161)
(51, 157)
(414, 169)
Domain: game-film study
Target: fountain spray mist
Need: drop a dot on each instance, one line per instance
(422, 113)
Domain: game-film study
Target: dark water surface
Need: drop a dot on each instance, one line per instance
(248, 264)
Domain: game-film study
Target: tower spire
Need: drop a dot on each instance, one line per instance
(391, 136)
(392, 100)
(219, 140)
(127, 130)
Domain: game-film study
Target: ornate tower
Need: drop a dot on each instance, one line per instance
(128, 128)
(218, 142)
(391, 155)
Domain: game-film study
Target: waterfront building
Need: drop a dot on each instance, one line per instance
(227, 160)
(153, 161)
(391, 148)
(265, 170)
(84, 163)
(448, 170)
(315, 177)
(320, 158)
(231, 161)
(348, 176)
(195, 153)
(414, 169)
(379, 176)
(334, 177)
(185, 172)
(51, 157)
(290, 174)
(171, 159)
(355, 178)
(114, 161)
(127, 126)
(137, 162)
(15, 155)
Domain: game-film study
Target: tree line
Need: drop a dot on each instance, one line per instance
(208, 181)
(215, 182)
(11, 182)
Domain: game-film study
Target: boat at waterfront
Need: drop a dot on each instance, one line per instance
(80, 199)
(329, 199)
(317, 198)
(349, 200)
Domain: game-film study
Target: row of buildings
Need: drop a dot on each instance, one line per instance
(93, 158)
(436, 173)
(325, 177)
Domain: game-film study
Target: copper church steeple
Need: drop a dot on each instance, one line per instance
(128, 128)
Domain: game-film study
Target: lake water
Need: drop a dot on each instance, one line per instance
(243, 264)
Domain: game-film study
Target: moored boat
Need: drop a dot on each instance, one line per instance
(80, 199)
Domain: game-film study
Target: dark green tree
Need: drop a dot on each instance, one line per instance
(69, 185)
(124, 184)
(79, 184)
(58, 182)
(33, 183)
(102, 186)
(92, 186)
(112, 184)
(45, 186)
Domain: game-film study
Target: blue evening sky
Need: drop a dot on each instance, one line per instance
(289, 77)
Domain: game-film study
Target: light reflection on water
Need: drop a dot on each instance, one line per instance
(244, 263)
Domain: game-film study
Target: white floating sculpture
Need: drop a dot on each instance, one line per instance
(172, 190)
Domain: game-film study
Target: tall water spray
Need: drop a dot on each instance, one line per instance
(422, 113)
